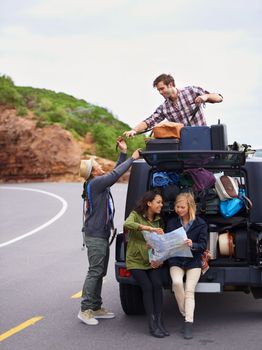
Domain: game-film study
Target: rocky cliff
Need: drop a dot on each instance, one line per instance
(30, 153)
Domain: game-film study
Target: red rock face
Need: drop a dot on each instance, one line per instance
(28, 153)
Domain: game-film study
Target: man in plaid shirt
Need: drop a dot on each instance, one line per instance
(180, 105)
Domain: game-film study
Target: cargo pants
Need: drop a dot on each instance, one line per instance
(98, 256)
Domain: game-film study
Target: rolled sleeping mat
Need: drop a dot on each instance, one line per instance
(226, 244)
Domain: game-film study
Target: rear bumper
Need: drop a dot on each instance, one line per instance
(215, 280)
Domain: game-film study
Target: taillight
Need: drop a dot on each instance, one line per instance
(123, 272)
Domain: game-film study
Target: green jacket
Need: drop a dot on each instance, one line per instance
(137, 252)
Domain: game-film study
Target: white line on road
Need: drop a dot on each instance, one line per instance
(49, 222)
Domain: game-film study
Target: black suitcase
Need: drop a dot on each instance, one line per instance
(219, 137)
(195, 138)
(162, 144)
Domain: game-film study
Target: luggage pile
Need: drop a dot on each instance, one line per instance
(175, 136)
(216, 196)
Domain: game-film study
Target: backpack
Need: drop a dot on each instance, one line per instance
(202, 178)
(88, 208)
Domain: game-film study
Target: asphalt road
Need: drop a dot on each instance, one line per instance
(42, 269)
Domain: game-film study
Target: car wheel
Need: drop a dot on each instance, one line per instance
(257, 292)
(131, 299)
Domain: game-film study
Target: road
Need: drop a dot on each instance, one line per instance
(43, 269)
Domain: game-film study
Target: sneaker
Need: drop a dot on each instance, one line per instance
(87, 317)
(103, 313)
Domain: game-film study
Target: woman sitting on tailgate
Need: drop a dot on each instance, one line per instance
(196, 229)
(146, 217)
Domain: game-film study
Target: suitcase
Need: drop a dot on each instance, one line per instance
(219, 137)
(162, 144)
(195, 138)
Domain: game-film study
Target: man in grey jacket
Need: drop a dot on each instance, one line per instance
(97, 229)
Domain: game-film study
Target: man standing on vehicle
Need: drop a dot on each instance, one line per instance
(97, 229)
(180, 105)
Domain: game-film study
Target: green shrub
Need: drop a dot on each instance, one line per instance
(57, 116)
(21, 111)
(45, 105)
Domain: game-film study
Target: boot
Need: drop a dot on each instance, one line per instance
(153, 328)
(188, 330)
(160, 323)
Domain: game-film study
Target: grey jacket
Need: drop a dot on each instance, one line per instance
(97, 223)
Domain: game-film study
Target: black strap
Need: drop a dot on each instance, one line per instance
(196, 109)
(114, 230)
(110, 197)
(113, 237)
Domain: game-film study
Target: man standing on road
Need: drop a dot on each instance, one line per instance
(97, 229)
(180, 105)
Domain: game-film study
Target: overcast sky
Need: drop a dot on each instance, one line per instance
(108, 52)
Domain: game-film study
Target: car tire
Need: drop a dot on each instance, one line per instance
(257, 292)
(131, 299)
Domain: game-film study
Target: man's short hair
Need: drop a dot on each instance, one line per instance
(165, 78)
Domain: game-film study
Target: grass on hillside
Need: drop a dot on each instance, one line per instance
(77, 116)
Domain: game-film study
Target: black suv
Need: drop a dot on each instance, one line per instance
(241, 271)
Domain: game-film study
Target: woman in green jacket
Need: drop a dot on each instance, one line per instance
(148, 275)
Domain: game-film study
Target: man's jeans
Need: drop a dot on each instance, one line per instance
(98, 256)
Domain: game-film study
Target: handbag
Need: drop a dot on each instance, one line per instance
(227, 187)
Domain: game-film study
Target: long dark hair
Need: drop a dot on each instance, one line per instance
(148, 196)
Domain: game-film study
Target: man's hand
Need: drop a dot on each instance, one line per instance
(201, 99)
(130, 133)
(121, 144)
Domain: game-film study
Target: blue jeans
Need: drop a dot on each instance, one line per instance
(98, 256)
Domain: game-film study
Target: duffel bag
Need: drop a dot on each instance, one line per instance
(202, 178)
(165, 130)
(232, 206)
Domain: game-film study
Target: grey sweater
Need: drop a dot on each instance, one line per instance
(96, 223)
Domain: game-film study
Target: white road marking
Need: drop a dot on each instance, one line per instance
(49, 222)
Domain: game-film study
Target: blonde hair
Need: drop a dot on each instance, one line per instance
(188, 197)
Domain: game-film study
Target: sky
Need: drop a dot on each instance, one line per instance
(108, 52)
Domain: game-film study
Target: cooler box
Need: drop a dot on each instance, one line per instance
(195, 138)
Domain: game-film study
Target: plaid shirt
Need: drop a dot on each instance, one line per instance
(179, 110)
